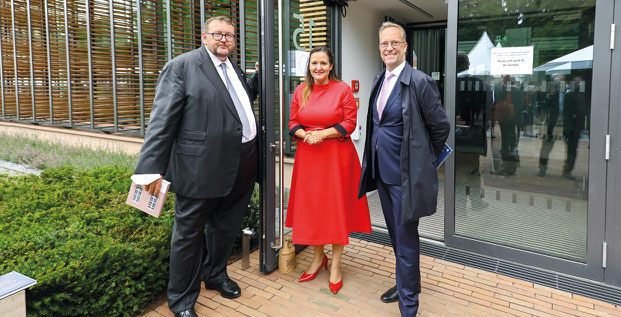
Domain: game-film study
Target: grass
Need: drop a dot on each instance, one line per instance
(43, 154)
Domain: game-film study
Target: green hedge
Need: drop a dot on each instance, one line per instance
(91, 254)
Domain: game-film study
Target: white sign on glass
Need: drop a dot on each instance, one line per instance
(298, 61)
(512, 60)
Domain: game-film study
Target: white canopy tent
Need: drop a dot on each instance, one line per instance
(580, 59)
(480, 57)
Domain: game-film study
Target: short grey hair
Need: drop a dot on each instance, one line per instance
(217, 18)
(386, 25)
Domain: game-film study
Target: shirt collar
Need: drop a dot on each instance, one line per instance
(216, 61)
(397, 71)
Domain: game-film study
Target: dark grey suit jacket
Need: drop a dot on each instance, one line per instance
(194, 135)
(425, 129)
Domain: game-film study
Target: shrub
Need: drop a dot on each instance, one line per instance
(91, 254)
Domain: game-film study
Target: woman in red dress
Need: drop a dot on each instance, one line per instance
(323, 206)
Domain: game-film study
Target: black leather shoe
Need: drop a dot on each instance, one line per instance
(391, 295)
(228, 288)
(186, 313)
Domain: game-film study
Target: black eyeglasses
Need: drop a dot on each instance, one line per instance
(218, 36)
(393, 44)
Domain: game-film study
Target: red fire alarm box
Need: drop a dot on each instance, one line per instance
(355, 86)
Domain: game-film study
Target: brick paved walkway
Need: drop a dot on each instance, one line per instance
(448, 290)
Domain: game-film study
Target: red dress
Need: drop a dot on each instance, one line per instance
(323, 201)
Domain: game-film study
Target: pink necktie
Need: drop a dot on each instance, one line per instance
(384, 94)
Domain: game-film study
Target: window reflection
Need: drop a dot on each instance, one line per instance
(522, 133)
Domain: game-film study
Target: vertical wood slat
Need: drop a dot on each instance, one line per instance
(15, 69)
(39, 66)
(91, 93)
(68, 57)
(115, 103)
(30, 55)
(140, 67)
(2, 72)
(49, 62)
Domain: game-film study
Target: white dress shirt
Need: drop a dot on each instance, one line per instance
(391, 83)
(239, 89)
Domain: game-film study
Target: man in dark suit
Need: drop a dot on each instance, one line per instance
(406, 129)
(202, 137)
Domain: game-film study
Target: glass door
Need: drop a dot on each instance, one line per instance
(304, 24)
(525, 144)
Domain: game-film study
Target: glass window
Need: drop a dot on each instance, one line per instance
(523, 101)
(152, 202)
(137, 194)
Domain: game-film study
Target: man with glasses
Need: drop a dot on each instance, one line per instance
(202, 137)
(406, 129)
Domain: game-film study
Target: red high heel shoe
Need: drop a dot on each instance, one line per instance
(307, 277)
(335, 287)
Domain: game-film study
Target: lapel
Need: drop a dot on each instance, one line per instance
(374, 93)
(402, 81)
(208, 68)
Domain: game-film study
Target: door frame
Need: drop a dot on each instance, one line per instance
(592, 269)
(268, 257)
(612, 272)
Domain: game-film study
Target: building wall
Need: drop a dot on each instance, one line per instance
(361, 60)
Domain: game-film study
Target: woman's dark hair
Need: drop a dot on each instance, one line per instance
(310, 82)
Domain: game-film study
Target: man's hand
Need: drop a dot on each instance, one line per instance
(155, 186)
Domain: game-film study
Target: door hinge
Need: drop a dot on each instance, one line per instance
(607, 147)
(612, 36)
(604, 254)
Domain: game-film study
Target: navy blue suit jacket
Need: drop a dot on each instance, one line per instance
(424, 130)
(387, 137)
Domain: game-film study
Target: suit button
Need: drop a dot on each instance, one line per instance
(238, 148)
(238, 129)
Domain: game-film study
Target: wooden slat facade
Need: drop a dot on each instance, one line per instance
(78, 61)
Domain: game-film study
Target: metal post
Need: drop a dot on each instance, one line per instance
(247, 234)
(68, 65)
(49, 63)
(113, 54)
(15, 59)
(91, 94)
(169, 28)
(336, 41)
(242, 33)
(267, 124)
(281, 156)
(202, 5)
(32, 78)
(450, 82)
(141, 68)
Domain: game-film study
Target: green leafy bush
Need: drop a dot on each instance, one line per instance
(71, 230)
(91, 254)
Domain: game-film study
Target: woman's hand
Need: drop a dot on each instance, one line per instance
(315, 137)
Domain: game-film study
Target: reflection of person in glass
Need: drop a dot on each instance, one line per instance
(504, 112)
(323, 205)
(472, 99)
(572, 102)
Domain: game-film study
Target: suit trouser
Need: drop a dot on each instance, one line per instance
(204, 234)
(405, 243)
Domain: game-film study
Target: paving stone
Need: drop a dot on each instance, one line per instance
(448, 290)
